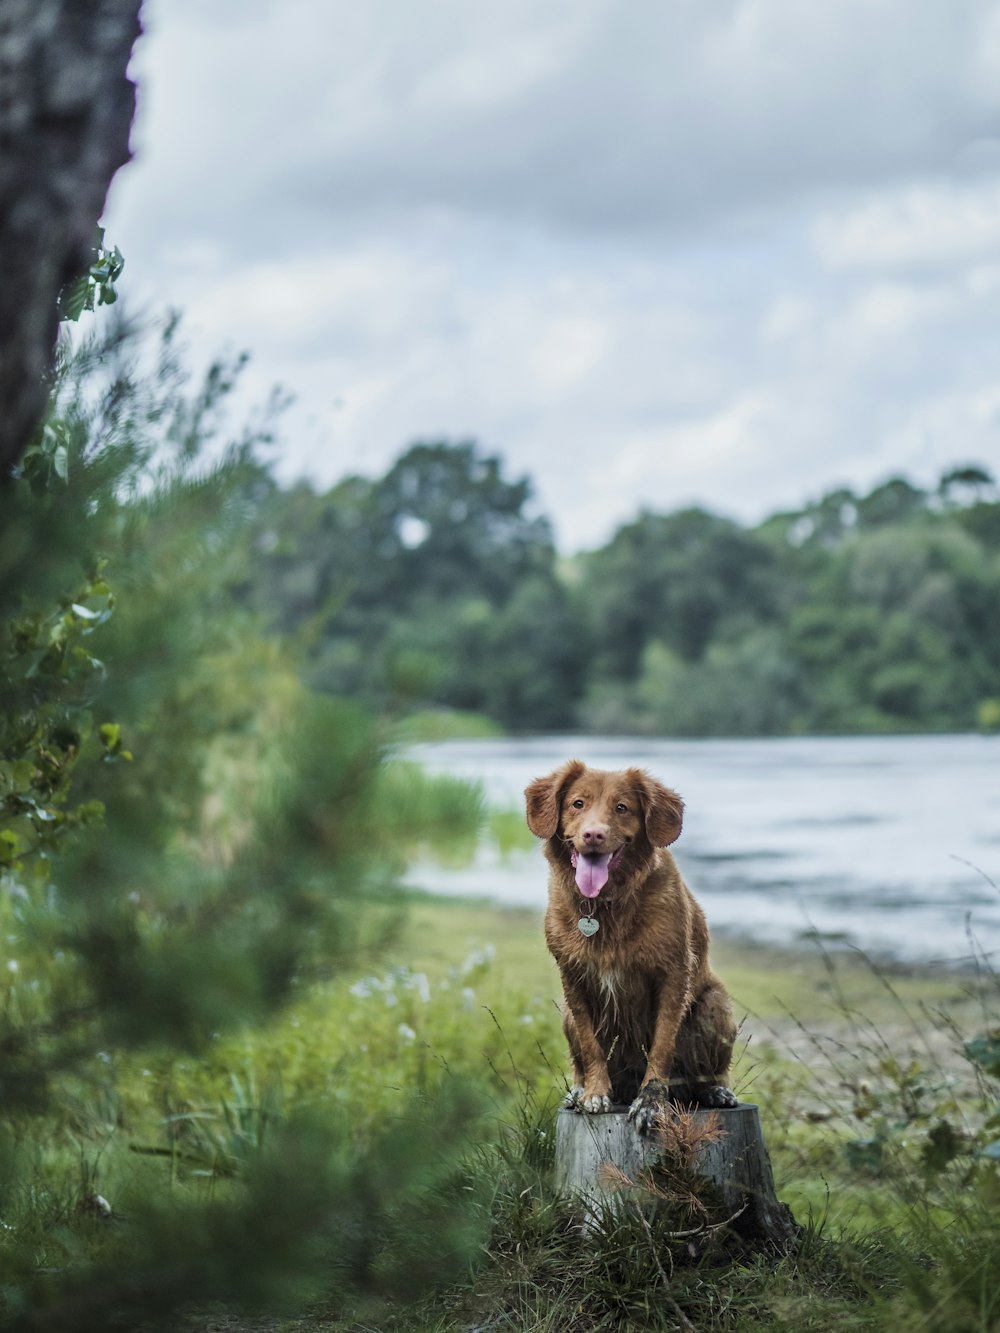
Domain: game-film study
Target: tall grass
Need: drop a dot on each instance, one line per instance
(883, 1126)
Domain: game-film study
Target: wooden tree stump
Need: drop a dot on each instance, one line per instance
(595, 1153)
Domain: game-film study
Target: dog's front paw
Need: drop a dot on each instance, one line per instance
(597, 1104)
(573, 1099)
(649, 1107)
(723, 1098)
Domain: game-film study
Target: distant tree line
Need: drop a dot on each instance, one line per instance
(437, 586)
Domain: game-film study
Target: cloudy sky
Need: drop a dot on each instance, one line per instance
(654, 252)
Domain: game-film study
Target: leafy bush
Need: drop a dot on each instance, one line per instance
(186, 837)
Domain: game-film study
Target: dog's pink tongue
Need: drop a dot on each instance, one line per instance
(592, 873)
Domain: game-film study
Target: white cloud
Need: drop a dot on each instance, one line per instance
(653, 253)
(680, 453)
(927, 225)
(567, 350)
(787, 318)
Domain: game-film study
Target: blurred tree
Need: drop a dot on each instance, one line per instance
(971, 481)
(745, 686)
(432, 585)
(446, 519)
(898, 632)
(820, 526)
(867, 612)
(520, 663)
(893, 502)
(676, 578)
(145, 908)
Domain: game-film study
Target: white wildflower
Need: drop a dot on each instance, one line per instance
(419, 983)
(479, 958)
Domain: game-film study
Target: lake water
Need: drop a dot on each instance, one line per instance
(884, 843)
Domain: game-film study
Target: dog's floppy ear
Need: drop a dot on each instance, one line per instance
(663, 809)
(542, 798)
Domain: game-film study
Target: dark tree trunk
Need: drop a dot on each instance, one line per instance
(66, 108)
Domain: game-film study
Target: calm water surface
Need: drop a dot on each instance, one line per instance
(884, 843)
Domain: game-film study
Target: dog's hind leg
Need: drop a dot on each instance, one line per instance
(704, 1051)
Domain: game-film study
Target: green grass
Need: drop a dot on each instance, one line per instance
(446, 724)
(853, 1068)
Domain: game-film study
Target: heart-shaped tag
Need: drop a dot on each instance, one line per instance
(588, 926)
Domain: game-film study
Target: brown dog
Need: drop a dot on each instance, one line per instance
(646, 1019)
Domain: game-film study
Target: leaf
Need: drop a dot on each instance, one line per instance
(943, 1146)
(984, 1051)
(865, 1155)
(91, 812)
(111, 735)
(84, 612)
(75, 299)
(60, 462)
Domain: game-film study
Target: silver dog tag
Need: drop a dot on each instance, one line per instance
(588, 926)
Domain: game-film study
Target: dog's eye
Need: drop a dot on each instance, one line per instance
(577, 804)
(622, 808)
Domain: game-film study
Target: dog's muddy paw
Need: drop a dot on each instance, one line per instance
(573, 1099)
(648, 1108)
(718, 1096)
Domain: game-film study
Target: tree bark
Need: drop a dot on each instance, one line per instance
(601, 1159)
(66, 109)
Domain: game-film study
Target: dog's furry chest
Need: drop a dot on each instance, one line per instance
(622, 1003)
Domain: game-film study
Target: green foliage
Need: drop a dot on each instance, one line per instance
(858, 613)
(446, 724)
(984, 1051)
(187, 836)
(680, 578)
(48, 675)
(432, 586)
(321, 1154)
(96, 287)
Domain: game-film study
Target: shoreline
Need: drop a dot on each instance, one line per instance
(816, 947)
(773, 982)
